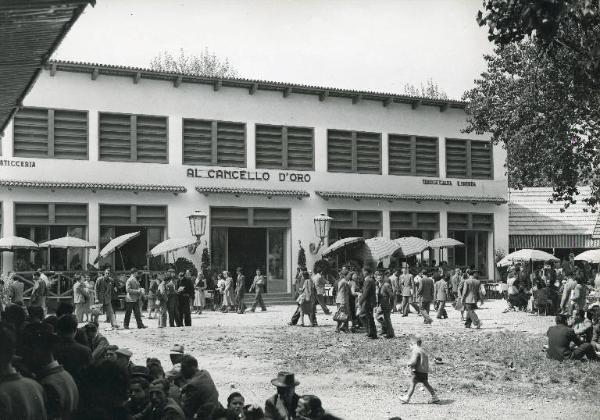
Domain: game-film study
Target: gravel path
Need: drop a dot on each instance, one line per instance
(362, 379)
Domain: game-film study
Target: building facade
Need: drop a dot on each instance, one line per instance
(98, 151)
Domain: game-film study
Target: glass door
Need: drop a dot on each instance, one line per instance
(276, 267)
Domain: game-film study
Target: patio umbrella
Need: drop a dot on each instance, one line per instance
(376, 249)
(444, 243)
(341, 244)
(115, 245)
(411, 245)
(10, 243)
(67, 242)
(591, 256)
(525, 255)
(173, 244)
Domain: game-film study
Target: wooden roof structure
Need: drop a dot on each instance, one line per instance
(30, 31)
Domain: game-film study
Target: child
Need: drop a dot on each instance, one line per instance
(419, 365)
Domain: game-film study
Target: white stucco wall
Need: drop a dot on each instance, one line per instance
(119, 94)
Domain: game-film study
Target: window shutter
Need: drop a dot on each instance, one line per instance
(70, 134)
(339, 151)
(458, 221)
(481, 159)
(271, 217)
(115, 215)
(368, 220)
(456, 158)
(32, 214)
(152, 139)
(426, 156)
(368, 153)
(342, 219)
(399, 153)
(300, 142)
(428, 221)
(31, 133)
(197, 142)
(115, 137)
(151, 215)
(71, 214)
(401, 220)
(269, 146)
(231, 144)
(483, 221)
(229, 217)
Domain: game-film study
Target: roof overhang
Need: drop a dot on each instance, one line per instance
(326, 195)
(30, 31)
(299, 194)
(94, 186)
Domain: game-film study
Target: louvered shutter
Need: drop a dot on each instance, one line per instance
(151, 139)
(269, 146)
(197, 142)
(339, 151)
(31, 133)
(426, 156)
(115, 137)
(231, 144)
(400, 155)
(115, 215)
(300, 146)
(32, 214)
(401, 220)
(262, 217)
(70, 134)
(151, 215)
(456, 158)
(458, 221)
(482, 221)
(481, 159)
(370, 220)
(368, 153)
(342, 219)
(71, 214)
(428, 221)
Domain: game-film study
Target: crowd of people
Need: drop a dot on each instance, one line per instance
(361, 296)
(52, 369)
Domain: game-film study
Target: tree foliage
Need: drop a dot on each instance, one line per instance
(428, 90)
(206, 64)
(537, 99)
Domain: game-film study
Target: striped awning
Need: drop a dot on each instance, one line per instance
(94, 186)
(326, 195)
(553, 241)
(253, 191)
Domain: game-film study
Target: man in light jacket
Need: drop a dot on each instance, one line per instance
(132, 296)
(79, 297)
(342, 300)
(441, 295)
(470, 294)
(104, 293)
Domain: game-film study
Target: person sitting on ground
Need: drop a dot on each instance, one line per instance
(62, 395)
(156, 371)
(419, 366)
(139, 406)
(222, 414)
(596, 328)
(96, 341)
(582, 325)
(311, 408)
(20, 398)
(560, 339)
(176, 353)
(235, 404)
(283, 405)
(72, 355)
(163, 407)
(201, 396)
(36, 314)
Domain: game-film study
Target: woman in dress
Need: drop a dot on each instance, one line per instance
(90, 287)
(352, 278)
(229, 293)
(199, 288)
(308, 300)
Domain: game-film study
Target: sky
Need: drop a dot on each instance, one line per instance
(374, 45)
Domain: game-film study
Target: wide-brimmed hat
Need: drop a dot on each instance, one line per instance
(285, 380)
(177, 348)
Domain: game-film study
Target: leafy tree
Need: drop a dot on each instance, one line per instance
(182, 264)
(430, 90)
(537, 99)
(205, 64)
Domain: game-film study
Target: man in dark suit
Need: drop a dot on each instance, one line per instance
(470, 296)
(283, 405)
(368, 301)
(104, 294)
(73, 356)
(425, 293)
(240, 291)
(185, 292)
(560, 338)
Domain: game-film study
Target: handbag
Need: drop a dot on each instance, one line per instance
(340, 316)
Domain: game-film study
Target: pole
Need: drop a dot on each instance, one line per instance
(122, 260)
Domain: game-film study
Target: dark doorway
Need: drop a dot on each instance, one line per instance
(247, 248)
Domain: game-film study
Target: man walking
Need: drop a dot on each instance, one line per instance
(104, 293)
(425, 293)
(441, 295)
(258, 286)
(406, 289)
(470, 296)
(368, 301)
(320, 282)
(396, 289)
(132, 296)
(240, 291)
(79, 297)
(185, 291)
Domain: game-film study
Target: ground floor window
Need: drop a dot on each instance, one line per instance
(475, 252)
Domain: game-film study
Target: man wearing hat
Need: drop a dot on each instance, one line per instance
(283, 405)
(185, 292)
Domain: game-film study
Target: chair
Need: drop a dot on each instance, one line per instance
(543, 300)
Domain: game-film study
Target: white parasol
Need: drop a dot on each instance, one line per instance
(67, 242)
(444, 243)
(591, 256)
(411, 245)
(378, 248)
(115, 245)
(341, 244)
(173, 244)
(10, 243)
(524, 255)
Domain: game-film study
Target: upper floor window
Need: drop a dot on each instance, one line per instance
(283, 147)
(50, 133)
(133, 138)
(218, 143)
(353, 151)
(469, 159)
(413, 155)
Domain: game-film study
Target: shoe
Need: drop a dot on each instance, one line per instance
(404, 315)
(290, 324)
(142, 327)
(264, 310)
(434, 399)
(252, 309)
(370, 337)
(404, 400)
(125, 328)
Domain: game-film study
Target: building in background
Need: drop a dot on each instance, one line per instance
(98, 151)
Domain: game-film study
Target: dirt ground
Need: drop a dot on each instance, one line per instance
(498, 371)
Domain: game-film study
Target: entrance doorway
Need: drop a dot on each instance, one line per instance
(246, 248)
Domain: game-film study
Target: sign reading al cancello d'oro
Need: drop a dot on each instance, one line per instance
(244, 175)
